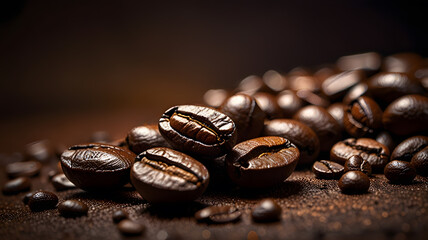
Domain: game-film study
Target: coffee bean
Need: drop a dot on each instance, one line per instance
(27, 197)
(313, 99)
(42, 200)
(323, 124)
(41, 151)
(289, 103)
(198, 131)
(336, 86)
(262, 162)
(246, 114)
(274, 80)
(325, 72)
(337, 111)
(215, 97)
(402, 62)
(400, 172)
(354, 182)
(61, 182)
(252, 84)
(299, 134)
(97, 166)
(73, 208)
(361, 89)
(267, 103)
(362, 117)
(420, 162)
(23, 169)
(267, 210)
(141, 138)
(370, 61)
(304, 82)
(163, 175)
(119, 215)
(386, 139)
(407, 115)
(409, 147)
(218, 214)
(130, 228)
(371, 151)
(357, 163)
(17, 185)
(327, 169)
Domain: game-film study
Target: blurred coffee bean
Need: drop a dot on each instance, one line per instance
(399, 172)
(61, 182)
(361, 89)
(336, 86)
(130, 228)
(386, 139)
(27, 197)
(420, 162)
(23, 169)
(402, 63)
(325, 72)
(363, 117)
(17, 185)
(409, 147)
(289, 103)
(42, 200)
(119, 215)
(312, 98)
(354, 182)
(41, 151)
(73, 208)
(100, 137)
(141, 138)
(369, 62)
(252, 84)
(357, 163)
(337, 111)
(299, 71)
(267, 210)
(218, 214)
(267, 102)
(275, 80)
(327, 169)
(304, 82)
(215, 97)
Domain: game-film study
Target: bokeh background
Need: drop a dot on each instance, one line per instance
(68, 68)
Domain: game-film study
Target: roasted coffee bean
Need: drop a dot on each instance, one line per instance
(42, 200)
(73, 208)
(409, 147)
(163, 175)
(267, 210)
(119, 215)
(267, 103)
(370, 61)
(61, 182)
(402, 62)
(336, 86)
(141, 138)
(399, 172)
(323, 124)
(289, 103)
(215, 97)
(41, 151)
(299, 134)
(246, 114)
(407, 115)
(354, 182)
(130, 228)
(357, 163)
(23, 169)
(325, 72)
(362, 117)
(371, 151)
(361, 89)
(262, 162)
(327, 169)
(386, 139)
(312, 98)
(198, 131)
(304, 82)
(337, 111)
(420, 162)
(100, 137)
(27, 197)
(275, 80)
(17, 185)
(218, 214)
(97, 166)
(251, 85)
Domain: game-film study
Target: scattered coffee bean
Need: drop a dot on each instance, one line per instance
(163, 175)
(215, 97)
(119, 215)
(267, 103)
(130, 228)
(370, 61)
(304, 81)
(61, 182)
(289, 103)
(402, 63)
(362, 117)
(23, 169)
(17, 185)
(73, 208)
(386, 139)
(420, 162)
(327, 169)
(361, 89)
(274, 80)
(357, 163)
(141, 138)
(399, 172)
(27, 197)
(218, 214)
(312, 98)
(266, 211)
(252, 84)
(336, 86)
(354, 182)
(42, 200)
(409, 147)
(337, 111)
(41, 151)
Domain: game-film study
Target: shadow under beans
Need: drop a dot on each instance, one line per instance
(121, 197)
(170, 211)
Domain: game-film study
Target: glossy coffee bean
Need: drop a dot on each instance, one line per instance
(96, 166)
(399, 172)
(61, 182)
(267, 210)
(163, 175)
(23, 169)
(42, 200)
(215, 97)
(17, 185)
(407, 115)
(323, 124)
(198, 131)
(363, 117)
(141, 138)
(409, 147)
(289, 103)
(267, 103)
(262, 162)
(218, 214)
(246, 114)
(27, 197)
(371, 151)
(299, 134)
(130, 228)
(354, 182)
(73, 208)
(337, 111)
(327, 169)
(357, 163)
(119, 215)
(386, 139)
(420, 162)
(361, 89)
(336, 86)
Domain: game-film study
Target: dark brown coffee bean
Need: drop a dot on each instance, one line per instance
(337, 111)
(97, 166)
(327, 169)
(323, 124)
(357, 163)
(420, 162)
(163, 175)
(402, 63)
(61, 182)
(304, 82)
(312, 98)
(262, 162)
(371, 151)
(362, 117)
(370, 61)
(41, 151)
(275, 80)
(218, 214)
(198, 131)
(246, 114)
(141, 138)
(42, 200)
(215, 97)
(399, 172)
(354, 182)
(299, 134)
(251, 85)
(23, 169)
(267, 210)
(73, 208)
(409, 147)
(325, 72)
(130, 228)
(119, 215)
(289, 103)
(336, 86)
(407, 115)
(267, 103)
(17, 185)
(386, 139)
(361, 89)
